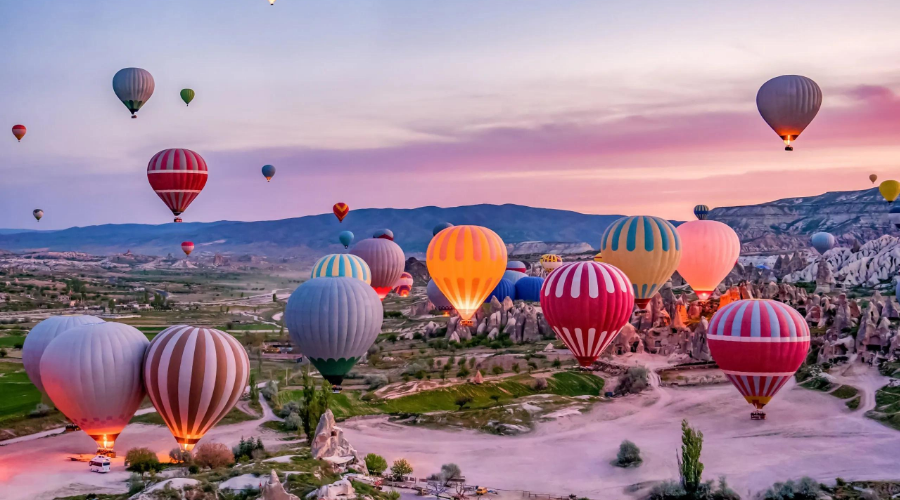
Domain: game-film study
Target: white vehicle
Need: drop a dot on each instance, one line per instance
(99, 464)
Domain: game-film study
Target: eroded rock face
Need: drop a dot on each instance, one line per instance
(338, 490)
(330, 444)
(699, 344)
(274, 490)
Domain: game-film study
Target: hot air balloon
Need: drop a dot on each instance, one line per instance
(647, 249)
(177, 176)
(598, 257)
(194, 376)
(894, 216)
(709, 250)
(346, 238)
(529, 288)
(701, 212)
(268, 172)
(440, 227)
(586, 304)
(187, 247)
(517, 265)
(38, 214)
(759, 344)
(19, 132)
(889, 190)
(466, 263)
(788, 104)
(333, 321)
(513, 276)
(873, 178)
(550, 262)
(40, 337)
(187, 95)
(822, 242)
(404, 284)
(338, 264)
(133, 86)
(437, 298)
(92, 373)
(340, 211)
(271, 2)
(386, 260)
(386, 234)
(504, 289)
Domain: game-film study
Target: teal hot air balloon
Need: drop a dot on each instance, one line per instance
(334, 321)
(346, 238)
(701, 212)
(440, 227)
(268, 172)
(822, 242)
(341, 264)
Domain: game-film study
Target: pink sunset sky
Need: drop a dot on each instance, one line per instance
(599, 107)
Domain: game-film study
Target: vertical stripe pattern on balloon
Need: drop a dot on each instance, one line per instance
(646, 248)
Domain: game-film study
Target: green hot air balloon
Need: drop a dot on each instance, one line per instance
(187, 95)
(334, 321)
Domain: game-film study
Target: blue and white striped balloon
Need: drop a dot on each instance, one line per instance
(336, 265)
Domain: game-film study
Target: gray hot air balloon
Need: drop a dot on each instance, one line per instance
(437, 298)
(92, 373)
(386, 260)
(334, 321)
(133, 86)
(40, 337)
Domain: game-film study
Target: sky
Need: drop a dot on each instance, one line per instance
(598, 107)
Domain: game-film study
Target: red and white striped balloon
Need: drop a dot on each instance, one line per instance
(194, 376)
(177, 176)
(759, 344)
(586, 304)
(187, 247)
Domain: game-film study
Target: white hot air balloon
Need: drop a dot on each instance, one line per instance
(92, 373)
(40, 337)
(788, 104)
(133, 86)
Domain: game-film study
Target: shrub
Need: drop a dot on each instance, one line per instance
(557, 363)
(247, 449)
(41, 410)
(179, 456)
(142, 461)
(193, 469)
(540, 384)
(497, 370)
(135, 484)
(293, 422)
(629, 455)
(804, 489)
(463, 372)
(635, 380)
(516, 368)
(376, 464)
(288, 408)
(213, 455)
(400, 468)
(462, 401)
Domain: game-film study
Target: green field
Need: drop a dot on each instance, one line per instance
(12, 340)
(232, 417)
(20, 396)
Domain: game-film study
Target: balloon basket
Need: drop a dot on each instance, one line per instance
(789, 148)
(106, 453)
(758, 415)
(336, 389)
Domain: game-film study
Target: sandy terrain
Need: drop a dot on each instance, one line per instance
(807, 433)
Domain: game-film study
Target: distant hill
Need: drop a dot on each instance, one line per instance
(313, 235)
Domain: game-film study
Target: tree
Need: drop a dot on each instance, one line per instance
(111, 304)
(689, 465)
(179, 456)
(254, 390)
(376, 464)
(313, 404)
(629, 455)
(635, 380)
(462, 401)
(213, 455)
(449, 472)
(400, 468)
(142, 460)
(274, 298)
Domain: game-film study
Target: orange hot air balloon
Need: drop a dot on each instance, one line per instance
(873, 178)
(340, 211)
(708, 252)
(466, 263)
(19, 131)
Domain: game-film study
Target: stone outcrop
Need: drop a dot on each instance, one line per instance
(330, 444)
(338, 490)
(274, 490)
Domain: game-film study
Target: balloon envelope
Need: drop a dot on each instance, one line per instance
(873, 178)
(187, 95)
(19, 132)
(759, 344)
(386, 260)
(822, 242)
(701, 212)
(550, 262)
(529, 288)
(709, 250)
(647, 249)
(788, 104)
(504, 289)
(177, 176)
(586, 304)
(187, 247)
(37, 213)
(194, 377)
(386, 234)
(517, 265)
(889, 190)
(340, 211)
(346, 238)
(268, 172)
(440, 227)
(92, 373)
(338, 264)
(466, 263)
(437, 298)
(404, 284)
(40, 337)
(333, 321)
(133, 86)
(513, 276)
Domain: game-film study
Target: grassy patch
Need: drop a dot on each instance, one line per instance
(845, 392)
(233, 417)
(887, 407)
(853, 404)
(20, 396)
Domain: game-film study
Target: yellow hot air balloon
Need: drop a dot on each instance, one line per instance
(890, 190)
(550, 262)
(873, 178)
(466, 263)
(598, 257)
(647, 249)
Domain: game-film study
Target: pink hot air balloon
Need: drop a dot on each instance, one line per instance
(386, 261)
(187, 247)
(759, 344)
(586, 304)
(92, 373)
(709, 250)
(404, 284)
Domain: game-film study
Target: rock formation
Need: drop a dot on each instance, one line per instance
(338, 490)
(274, 490)
(330, 444)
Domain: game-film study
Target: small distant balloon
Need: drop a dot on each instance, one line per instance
(133, 86)
(889, 190)
(385, 234)
(788, 103)
(822, 242)
(873, 178)
(37, 213)
(187, 95)
(701, 212)
(19, 132)
(550, 262)
(187, 247)
(440, 227)
(268, 172)
(340, 211)
(346, 238)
